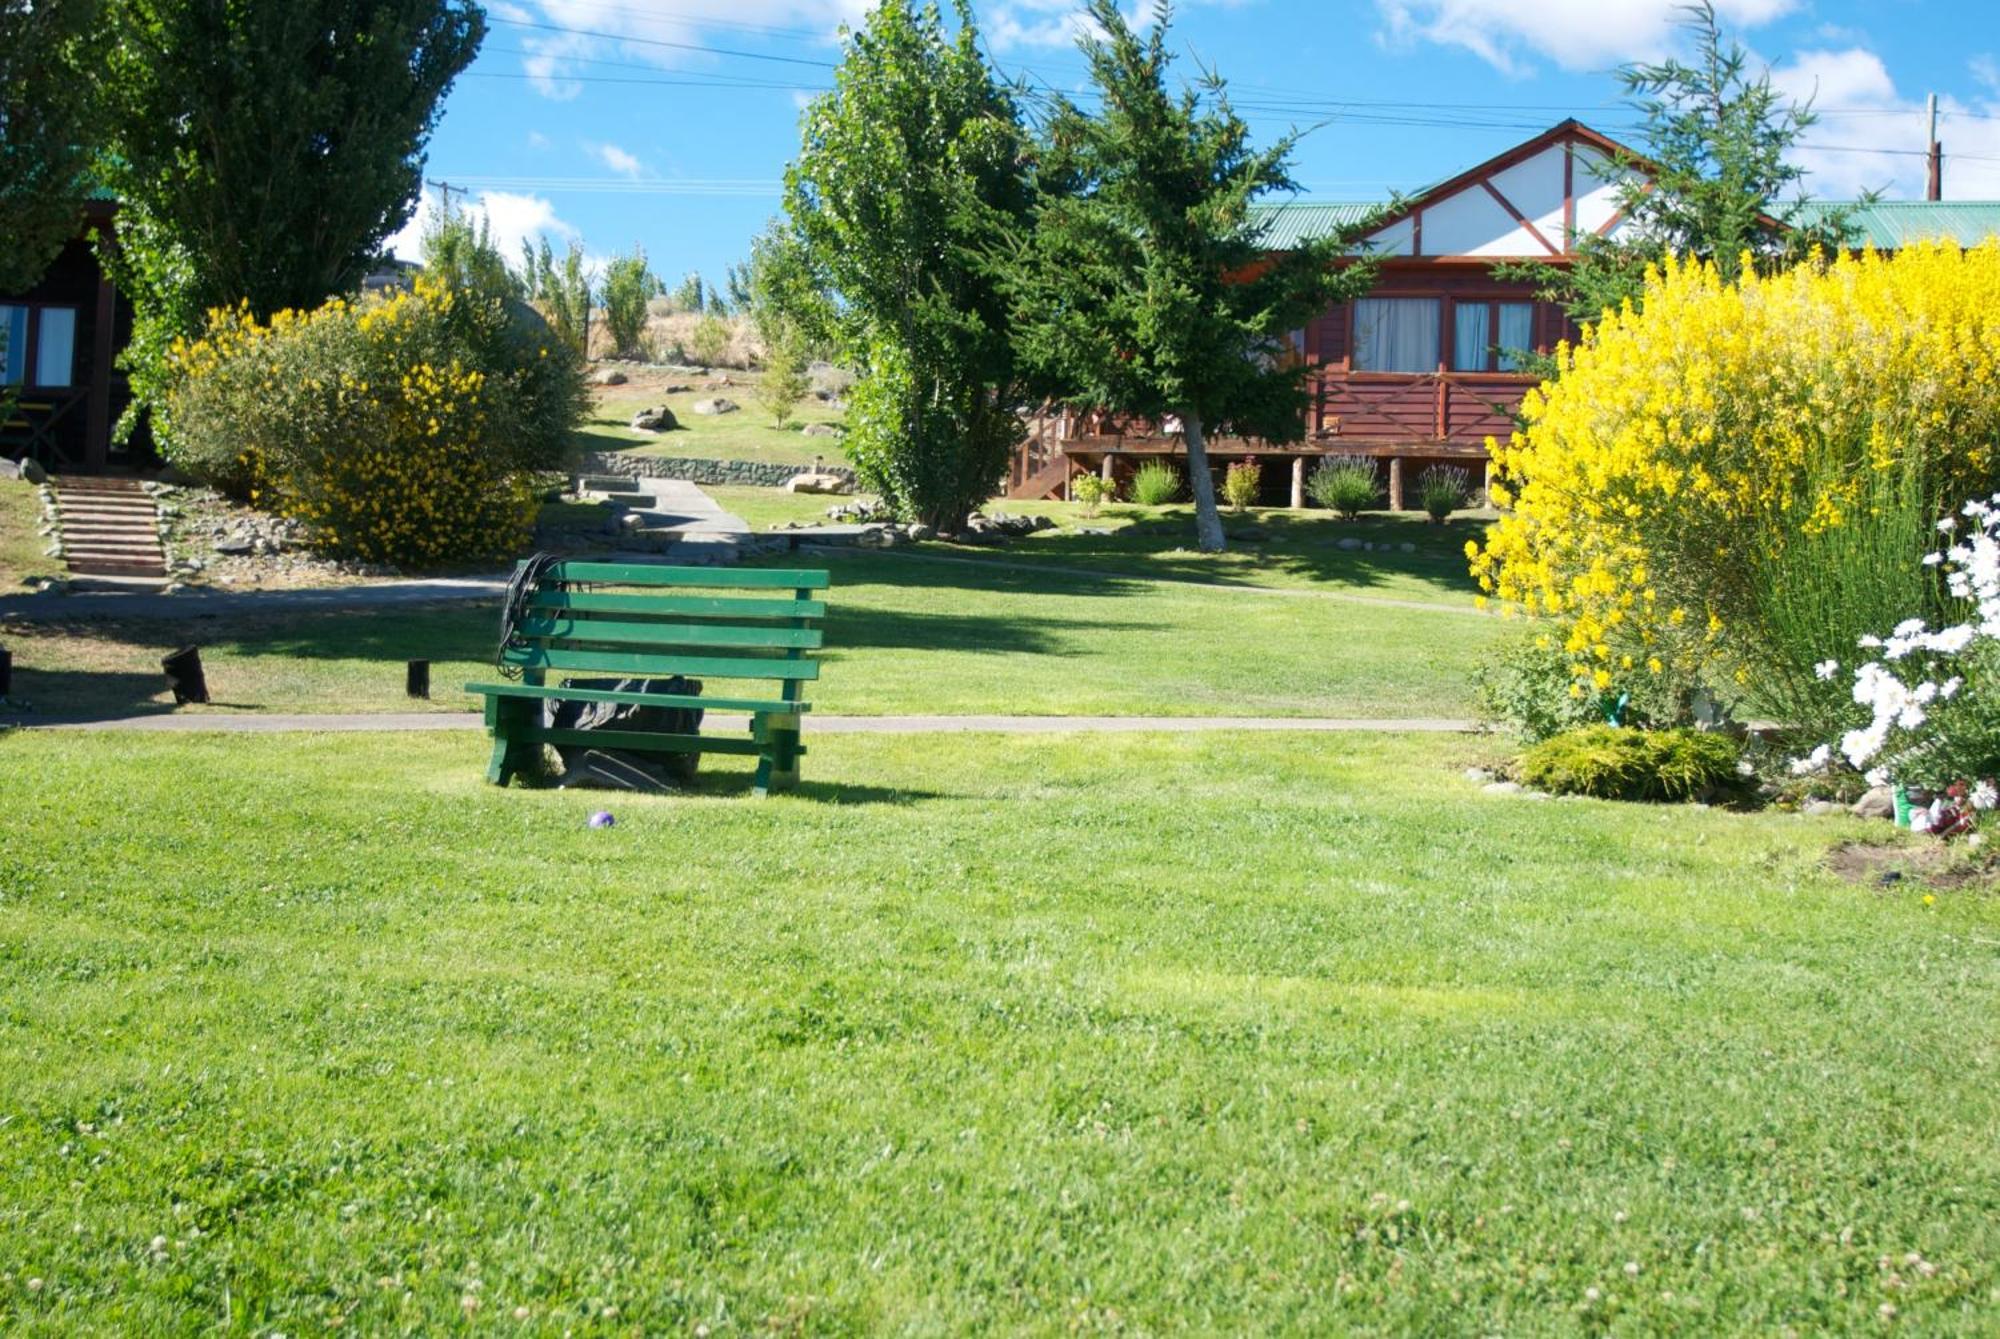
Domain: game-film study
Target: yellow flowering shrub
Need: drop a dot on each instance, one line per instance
(375, 422)
(1734, 472)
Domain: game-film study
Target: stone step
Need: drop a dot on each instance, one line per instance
(84, 568)
(111, 581)
(137, 515)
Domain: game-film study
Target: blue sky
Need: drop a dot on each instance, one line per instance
(668, 123)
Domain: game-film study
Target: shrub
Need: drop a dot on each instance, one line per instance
(1735, 481)
(1091, 491)
(627, 289)
(1241, 483)
(710, 341)
(403, 429)
(1932, 695)
(1526, 686)
(1442, 490)
(785, 380)
(1344, 484)
(1614, 763)
(1155, 484)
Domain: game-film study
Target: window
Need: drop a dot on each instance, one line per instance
(13, 345)
(1517, 333)
(1396, 334)
(1471, 345)
(55, 347)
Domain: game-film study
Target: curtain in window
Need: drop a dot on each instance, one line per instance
(13, 345)
(1396, 334)
(55, 347)
(1469, 340)
(1517, 332)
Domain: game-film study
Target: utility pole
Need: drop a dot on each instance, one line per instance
(446, 190)
(1933, 157)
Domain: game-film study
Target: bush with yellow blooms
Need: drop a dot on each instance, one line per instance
(401, 429)
(1732, 482)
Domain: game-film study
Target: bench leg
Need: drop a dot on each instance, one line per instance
(510, 754)
(778, 764)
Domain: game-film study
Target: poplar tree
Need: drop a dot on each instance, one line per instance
(909, 181)
(1145, 287)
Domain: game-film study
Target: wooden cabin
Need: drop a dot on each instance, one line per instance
(63, 337)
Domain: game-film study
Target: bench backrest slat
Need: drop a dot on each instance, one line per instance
(718, 606)
(602, 632)
(644, 663)
(730, 578)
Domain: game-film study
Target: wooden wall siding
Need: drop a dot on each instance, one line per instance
(1454, 409)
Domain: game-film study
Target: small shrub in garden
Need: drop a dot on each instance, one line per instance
(403, 430)
(1617, 763)
(1442, 490)
(1343, 484)
(1155, 484)
(1526, 686)
(1240, 484)
(1092, 491)
(1735, 481)
(710, 341)
(785, 380)
(628, 288)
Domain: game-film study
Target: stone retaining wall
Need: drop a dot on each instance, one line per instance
(755, 473)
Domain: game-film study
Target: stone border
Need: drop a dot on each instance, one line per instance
(754, 473)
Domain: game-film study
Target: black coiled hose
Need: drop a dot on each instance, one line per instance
(527, 577)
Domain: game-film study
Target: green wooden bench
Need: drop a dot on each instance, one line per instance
(657, 622)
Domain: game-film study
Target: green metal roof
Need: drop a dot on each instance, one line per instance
(1287, 225)
(1888, 224)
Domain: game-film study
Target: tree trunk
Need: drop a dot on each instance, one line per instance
(1207, 521)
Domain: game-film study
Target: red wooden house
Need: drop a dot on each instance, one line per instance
(1422, 369)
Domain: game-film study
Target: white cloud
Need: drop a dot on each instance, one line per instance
(513, 219)
(625, 164)
(1871, 136)
(1511, 35)
(672, 39)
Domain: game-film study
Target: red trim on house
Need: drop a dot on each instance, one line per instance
(1522, 219)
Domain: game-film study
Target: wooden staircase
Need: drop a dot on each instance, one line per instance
(110, 531)
(1048, 481)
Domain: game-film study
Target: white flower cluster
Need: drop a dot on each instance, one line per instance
(1894, 702)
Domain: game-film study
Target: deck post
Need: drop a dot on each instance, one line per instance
(1298, 483)
(1395, 483)
(97, 418)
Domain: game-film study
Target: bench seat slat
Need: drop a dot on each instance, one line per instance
(642, 741)
(760, 705)
(656, 663)
(718, 606)
(546, 627)
(655, 574)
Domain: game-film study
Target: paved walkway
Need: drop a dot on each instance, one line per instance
(718, 723)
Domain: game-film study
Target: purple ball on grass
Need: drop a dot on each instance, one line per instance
(603, 819)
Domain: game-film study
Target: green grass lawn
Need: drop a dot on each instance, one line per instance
(1224, 1035)
(907, 634)
(21, 555)
(747, 434)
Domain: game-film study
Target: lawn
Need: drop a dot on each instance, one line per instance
(21, 555)
(907, 634)
(1144, 1033)
(747, 434)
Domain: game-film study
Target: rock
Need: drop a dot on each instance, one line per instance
(1350, 543)
(678, 388)
(1822, 808)
(719, 383)
(9, 469)
(1045, 522)
(1406, 547)
(1478, 776)
(821, 430)
(1502, 788)
(657, 419)
(32, 471)
(174, 588)
(609, 376)
(921, 532)
(235, 546)
(814, 482)
(717, 405)
(1879, 802)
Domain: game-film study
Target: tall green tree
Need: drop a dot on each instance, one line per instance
(908, 180)
(560, 291)
(263, 152)
(1145, 286)
(1717, 183)
(627, 287)
(458, 246)
(777, 289)
(49, 125)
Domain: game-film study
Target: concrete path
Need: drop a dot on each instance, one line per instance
(721, 723)
(681, 506)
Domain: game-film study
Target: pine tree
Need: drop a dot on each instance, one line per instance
(1145, 287)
